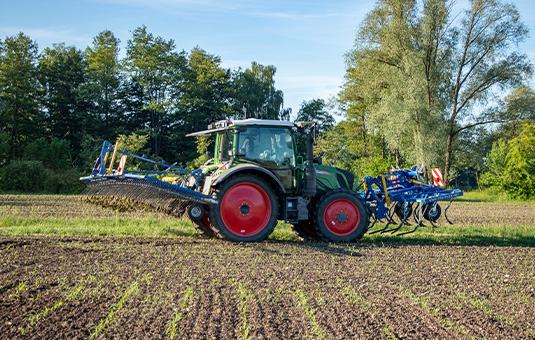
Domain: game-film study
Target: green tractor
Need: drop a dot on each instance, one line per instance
(255, 179)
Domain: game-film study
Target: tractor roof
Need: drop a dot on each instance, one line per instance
(228, 124)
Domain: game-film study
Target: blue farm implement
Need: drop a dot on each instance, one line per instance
(172, 193)
(403, 193)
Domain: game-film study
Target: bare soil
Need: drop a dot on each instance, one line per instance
(188, 288)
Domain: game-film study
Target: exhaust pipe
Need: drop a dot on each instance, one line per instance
(310, 171)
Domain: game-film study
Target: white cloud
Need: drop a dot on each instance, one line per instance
(49, 36)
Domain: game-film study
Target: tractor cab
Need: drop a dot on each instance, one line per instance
(269, 143)
(266, 144)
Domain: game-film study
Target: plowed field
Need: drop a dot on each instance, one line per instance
(135, 287)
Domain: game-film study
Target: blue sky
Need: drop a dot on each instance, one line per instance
(304, 40)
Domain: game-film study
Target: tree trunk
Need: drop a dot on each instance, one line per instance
(448, 157)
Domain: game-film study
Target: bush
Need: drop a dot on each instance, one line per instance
(55, 154)
(512, 165)
(23, 176)
(34, 177)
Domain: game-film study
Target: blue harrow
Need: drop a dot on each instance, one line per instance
(167, 187)
(403, 193)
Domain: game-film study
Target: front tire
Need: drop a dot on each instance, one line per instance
(341, 216)
(246, 211)
(304, 230)
(204, 227)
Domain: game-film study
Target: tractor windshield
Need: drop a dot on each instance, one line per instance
(270, 146)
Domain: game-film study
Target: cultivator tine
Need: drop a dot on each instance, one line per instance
(374, 221)
(420, 219)
(446, 212)
(389, 221)
(405, 217)
(418, 215)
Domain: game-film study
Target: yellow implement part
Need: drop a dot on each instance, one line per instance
(110, 169)
(169, 179)
(386, 191)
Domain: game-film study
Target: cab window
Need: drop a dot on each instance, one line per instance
(272, 147)
(225, 146)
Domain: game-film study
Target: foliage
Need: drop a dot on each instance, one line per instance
(155, 65)
(102, 87)
(395, 76)
(416, 74)
(484, 61)
(54, 154)
(62, 73)
(20, 91)
(66, 97)
(497, 166)
(23, 176)
(203, 96)
(132, 143)
(4, 146)
(256, 95)
(521, 164)
(362, 156)
(512, 165)
(314, 110)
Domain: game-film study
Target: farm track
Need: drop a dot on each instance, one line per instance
(183, 288)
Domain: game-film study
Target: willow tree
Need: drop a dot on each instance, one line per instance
(484, 61)
(397, 71)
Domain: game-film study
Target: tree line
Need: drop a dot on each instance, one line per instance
(68, 101)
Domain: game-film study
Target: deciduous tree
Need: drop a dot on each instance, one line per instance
(103, 83)
(155, 65)
(62, 73)
(21, 120)
(484, 60)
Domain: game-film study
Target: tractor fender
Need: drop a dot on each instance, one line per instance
(249, 168)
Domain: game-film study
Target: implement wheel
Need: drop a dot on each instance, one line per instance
(305, 231)
(203, 227)
(432, 211)
(341, 216)
(246, 211)
(403, 210)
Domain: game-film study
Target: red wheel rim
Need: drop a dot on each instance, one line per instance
(245, 209)
(341, 217)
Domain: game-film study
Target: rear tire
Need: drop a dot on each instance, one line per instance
(246, 211)
(341, 216)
